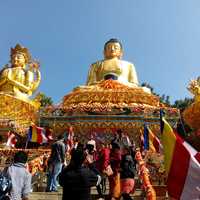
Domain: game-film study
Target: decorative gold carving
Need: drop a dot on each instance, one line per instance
(107, 95)
(192, 115)
(104, 128)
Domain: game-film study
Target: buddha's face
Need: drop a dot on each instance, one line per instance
(113, 50)
(18, 60)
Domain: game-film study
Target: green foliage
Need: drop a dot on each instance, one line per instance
(182, 104)
(163, 98)
(148, 86)
(45, 100)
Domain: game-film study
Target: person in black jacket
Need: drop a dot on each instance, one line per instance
(76, 179)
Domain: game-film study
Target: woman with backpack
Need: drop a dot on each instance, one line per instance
(127, 174)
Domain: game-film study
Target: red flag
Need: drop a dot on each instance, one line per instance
(12, 140)
(141, 141)
(182, 165)
(70, 139)
(37, 134)
(49, 134)
(155, 142)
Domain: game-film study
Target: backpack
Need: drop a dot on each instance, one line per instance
(5, 184)
(127, 166)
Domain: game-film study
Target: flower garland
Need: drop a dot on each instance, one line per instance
(37, 158)
(144, 176)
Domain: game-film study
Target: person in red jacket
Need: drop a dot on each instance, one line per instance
(114, 180)
(102, 162)
(103, 158)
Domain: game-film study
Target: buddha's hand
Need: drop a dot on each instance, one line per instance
(34, 65)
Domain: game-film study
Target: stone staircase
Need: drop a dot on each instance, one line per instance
(138, 194)
(58, 196)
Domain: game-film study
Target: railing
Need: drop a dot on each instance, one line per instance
(144, 177)
(36, 162)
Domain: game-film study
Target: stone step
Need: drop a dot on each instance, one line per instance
(138, 194)
(58, 196)
(46, 196)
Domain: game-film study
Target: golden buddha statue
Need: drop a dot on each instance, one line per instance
(112, 67)
(112, 85)
(22, 78)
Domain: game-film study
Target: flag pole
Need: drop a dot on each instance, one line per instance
(27, 139)
(161, 123)
(182, 124)
(26, 145)
(146, 137)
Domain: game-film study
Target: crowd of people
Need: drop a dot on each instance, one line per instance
(90, 165)
(77, 167)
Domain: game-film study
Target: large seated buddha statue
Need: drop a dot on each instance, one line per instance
(112, 84)
(22, 77)
(112, 67)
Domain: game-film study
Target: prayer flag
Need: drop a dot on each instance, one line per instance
(182, 165)
(69, 139)
(37, 134)
(146, 138)
(151, 142)
(12, 140)
(154, 142)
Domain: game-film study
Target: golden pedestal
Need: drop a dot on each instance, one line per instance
(17, 114)
(104, 108)
(191, 115)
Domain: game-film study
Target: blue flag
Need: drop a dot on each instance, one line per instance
(146, 137)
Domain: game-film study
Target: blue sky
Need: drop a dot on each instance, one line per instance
(161, 37)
